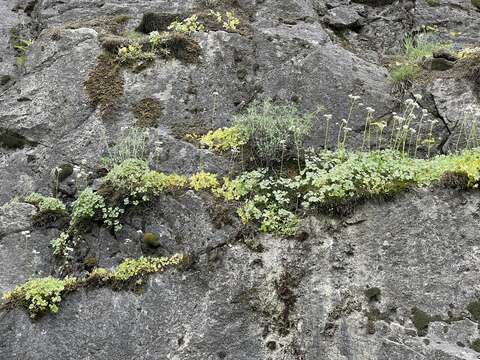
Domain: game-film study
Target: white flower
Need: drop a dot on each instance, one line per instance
(328, 116)
(344, 121)
(424, 112)
(413, 131)
(370, 110)
(418, 97)
(83, 162)
(347, 129)
(409, 102)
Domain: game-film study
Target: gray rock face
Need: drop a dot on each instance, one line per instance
(391, 282)
(293, 300)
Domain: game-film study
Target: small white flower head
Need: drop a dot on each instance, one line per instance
(409, 102)
(405, 127)
(370, 110)
(394, 113)
(413, 131)
(418, 97)
(346, 129)
(140, 231)
(354, 97)
(35, 252)
(424, 112)
(84, 162)
(328, 116)
(215, 93)
(361, 104)
(413, 116)
(344, 121)
(123, 128)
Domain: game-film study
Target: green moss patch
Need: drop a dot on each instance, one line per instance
(475, 345)
(373, 294)
(47, 206)
(104, 85)
(421, 320)
(148, 112)
(474, 309)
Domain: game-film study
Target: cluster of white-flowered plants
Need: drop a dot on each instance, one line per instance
(406, 132)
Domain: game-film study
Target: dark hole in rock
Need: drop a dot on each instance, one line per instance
(272, 345)
(155, 22)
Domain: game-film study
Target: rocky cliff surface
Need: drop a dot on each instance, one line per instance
(396, 279)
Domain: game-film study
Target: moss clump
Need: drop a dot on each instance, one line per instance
(63, 172)
(90, 263)
(147, 111)
(474, 309)
(475, 345)
(421, 320)
(113, 43)
(151, 239)
(46, 205)
(455, 180)
(104, 85)
(183, 48)
(373, 294)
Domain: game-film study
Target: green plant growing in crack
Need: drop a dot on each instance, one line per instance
(187, 26)
(42, 295)
(22, 47)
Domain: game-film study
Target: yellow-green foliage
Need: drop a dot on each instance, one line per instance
(43, 295)
(156, 182)
(231, 189)
(229, 21)
(468, 162)
(332, 178)
(187, 26)
(203, 181)
(39, 295)
(134, 53)
(145, 265)
(46, 205)
(224, 139)
(468, 51)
